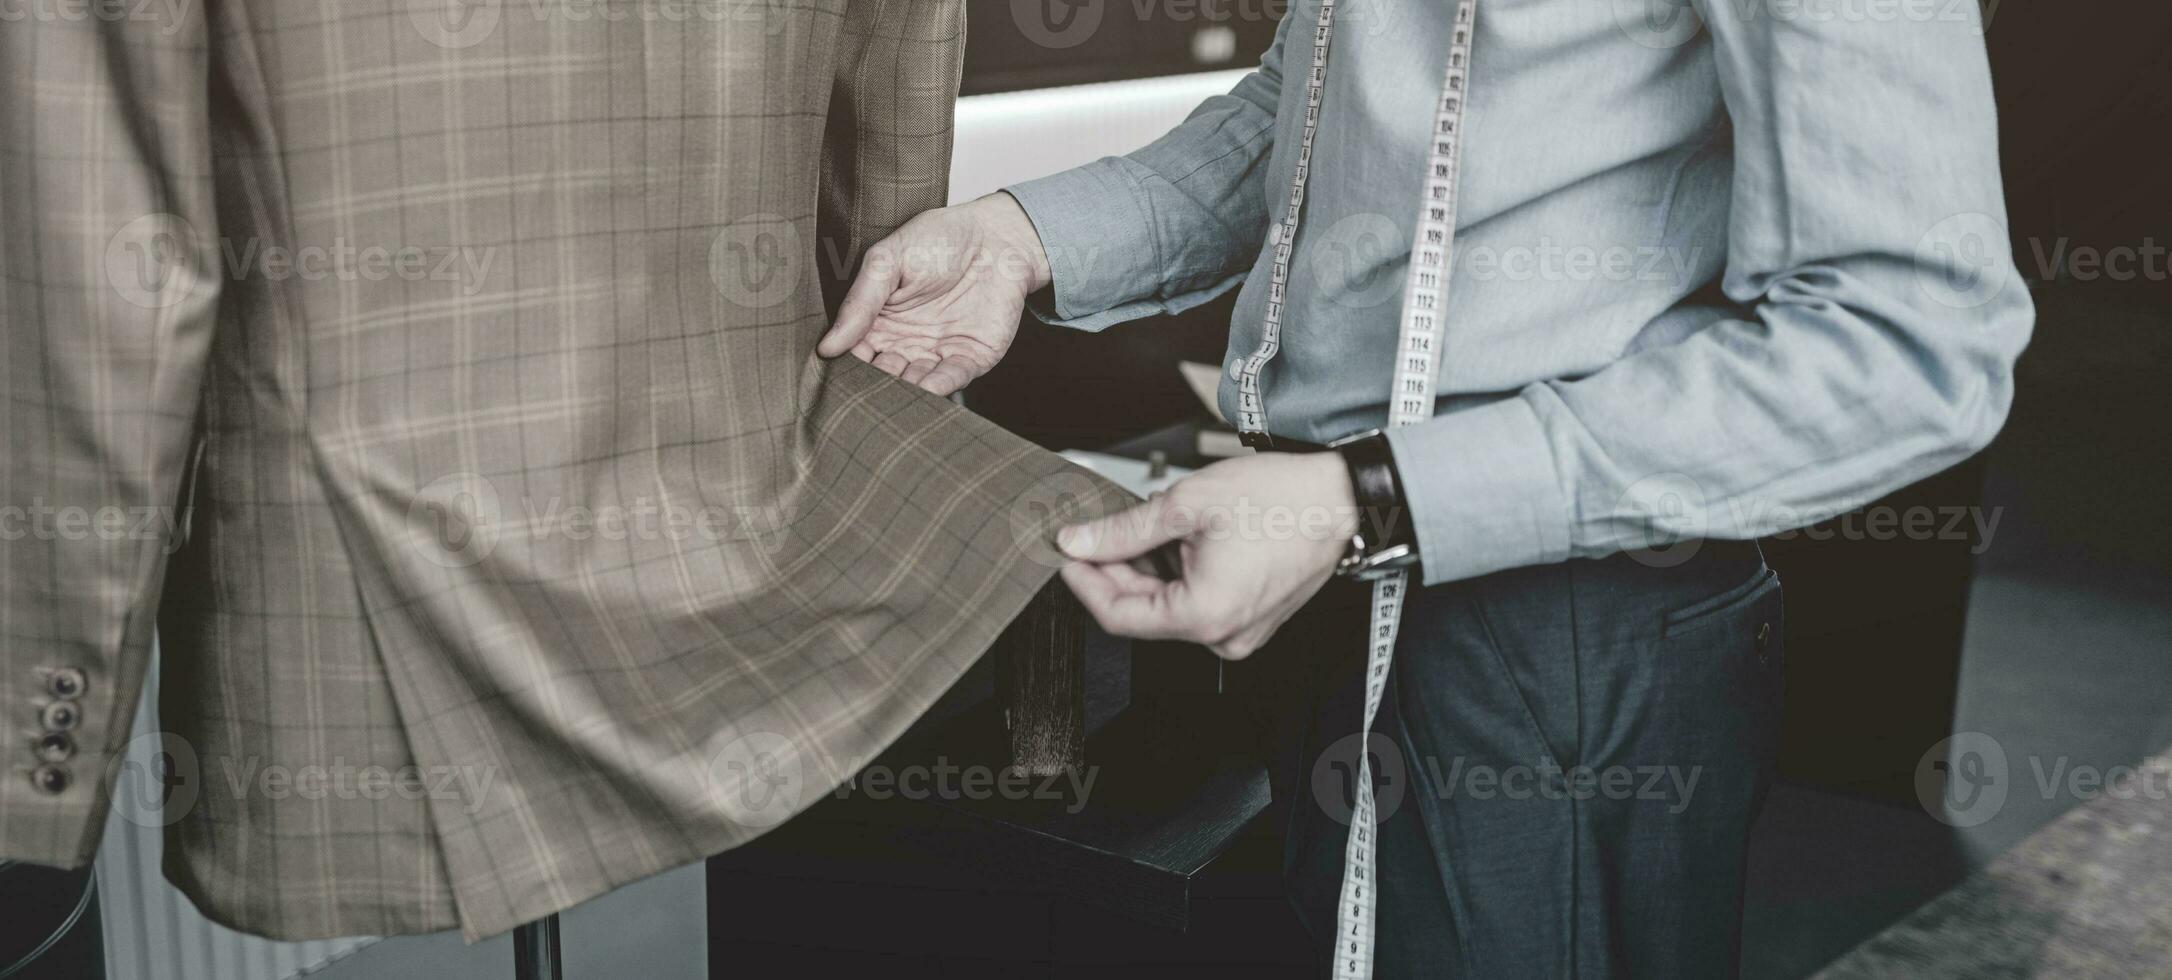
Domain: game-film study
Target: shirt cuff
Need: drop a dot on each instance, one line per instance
(1097, 237)
(1482, 491)
(1101, 252)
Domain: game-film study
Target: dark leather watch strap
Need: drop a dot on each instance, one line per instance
(1384, 515)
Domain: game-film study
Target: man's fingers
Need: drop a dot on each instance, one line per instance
(1121, 536)
(856, 314)
(1153, 614)
(1130, 580)
(916, 370)
(891, 363)
(950, 375)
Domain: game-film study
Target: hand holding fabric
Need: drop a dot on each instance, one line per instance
(1259, 536)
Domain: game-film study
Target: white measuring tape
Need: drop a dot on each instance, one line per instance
(1410, 401)
(1251, 409)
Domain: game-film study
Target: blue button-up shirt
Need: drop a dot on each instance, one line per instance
(1719, 270)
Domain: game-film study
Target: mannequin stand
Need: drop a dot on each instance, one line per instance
(535, 950)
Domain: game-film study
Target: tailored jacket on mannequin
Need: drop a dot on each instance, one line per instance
(451, 368)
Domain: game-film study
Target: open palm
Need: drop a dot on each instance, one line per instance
(937, 303)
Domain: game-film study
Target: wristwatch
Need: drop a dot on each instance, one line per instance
(1386, 540)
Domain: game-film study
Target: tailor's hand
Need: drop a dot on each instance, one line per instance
(938, 301)
(1260, 535)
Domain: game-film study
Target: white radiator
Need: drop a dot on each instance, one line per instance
(152, 932)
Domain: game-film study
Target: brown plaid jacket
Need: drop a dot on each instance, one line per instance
(443, 377)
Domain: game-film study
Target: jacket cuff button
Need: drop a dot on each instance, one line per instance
(55, 747)
(60, 716)
(66, 683)
(50, 779)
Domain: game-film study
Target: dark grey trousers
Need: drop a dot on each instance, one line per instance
(1569, 759)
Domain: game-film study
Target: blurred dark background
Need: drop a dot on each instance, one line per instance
(1027, 44)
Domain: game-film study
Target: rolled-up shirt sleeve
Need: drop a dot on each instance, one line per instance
(1867, 244)
(1167, 227)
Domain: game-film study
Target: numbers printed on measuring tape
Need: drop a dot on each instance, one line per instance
(1411, 401)
(1412, 397)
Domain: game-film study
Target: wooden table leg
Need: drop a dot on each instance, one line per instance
(1041, 680)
